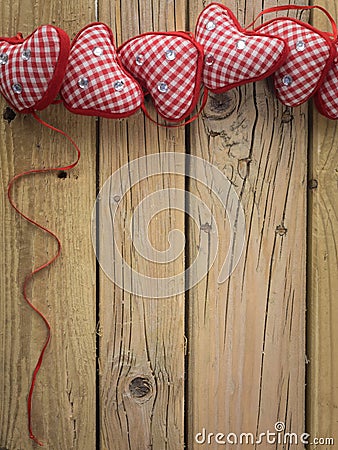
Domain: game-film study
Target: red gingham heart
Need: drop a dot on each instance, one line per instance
(310, 57)
(326, 98)
(234, 56)
(32, 69)
(96, 83)
(169, 68)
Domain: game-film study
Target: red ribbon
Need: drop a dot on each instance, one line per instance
(43, 266)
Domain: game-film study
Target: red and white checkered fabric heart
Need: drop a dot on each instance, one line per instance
(32, 69)
(234, 56)
(311, 55)
(326, 98)
(95, 82)
(169, 68)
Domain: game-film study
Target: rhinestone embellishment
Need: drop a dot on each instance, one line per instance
(119, 86)
(26, 54)
(287, 80)
(241, 44)
(210, 26)
(3, 58)
(163, 87)
(97, 51)
(170, 55)
(301, 46)
(139, 59)
(17, 88)
(83, 83)
(209, 60)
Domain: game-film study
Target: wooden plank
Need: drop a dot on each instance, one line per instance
(142, 339)
(64, 399)
(246, 341)
(322, 391)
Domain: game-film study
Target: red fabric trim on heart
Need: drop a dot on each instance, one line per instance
(326, 98)
(234, 56)
(169, 68)
(32, 69)
(96, 84)
(311, 55)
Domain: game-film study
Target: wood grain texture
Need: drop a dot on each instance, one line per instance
(239, 346)
(322, 391)
(64, 399)
(246, 341)
(142, 340)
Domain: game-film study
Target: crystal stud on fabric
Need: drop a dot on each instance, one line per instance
(26, 54)
(98, 51)
(170, 55)
(83, 82)
(287, 80)
(163, 87)
(301, 46)
(139, 60)
(17, 88)
(209, 60)
(3, 58)
(210, 26)
(241, 44)
(119, 85)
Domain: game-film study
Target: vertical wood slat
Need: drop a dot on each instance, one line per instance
(64, 398)
(246, 341)
(322, 413)
(142, 340)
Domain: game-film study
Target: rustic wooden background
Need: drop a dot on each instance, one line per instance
(129, 373)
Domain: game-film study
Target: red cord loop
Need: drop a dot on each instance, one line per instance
(299, 8)
(43, 266)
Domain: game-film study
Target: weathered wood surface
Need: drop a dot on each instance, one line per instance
(322, 411)
(142, 340)
(224, 357)
(65, 395)
(247, 336)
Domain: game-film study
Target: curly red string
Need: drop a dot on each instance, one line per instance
(43, 266)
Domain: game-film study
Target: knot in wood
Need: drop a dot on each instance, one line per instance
(140, 387)
(313, 184)
(8, 115)
(221, 106)
(62, 175)
(281, 230)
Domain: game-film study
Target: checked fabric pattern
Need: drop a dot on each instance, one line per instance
(31, 69)
(310, 57)
(327, 96)
(169, 68)
(95, 82)
(234, 56)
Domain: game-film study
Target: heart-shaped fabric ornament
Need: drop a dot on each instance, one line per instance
(169, 68)
(311, 55)
(32, 69)
(96, 84)
(234, 56)
(326, 98)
